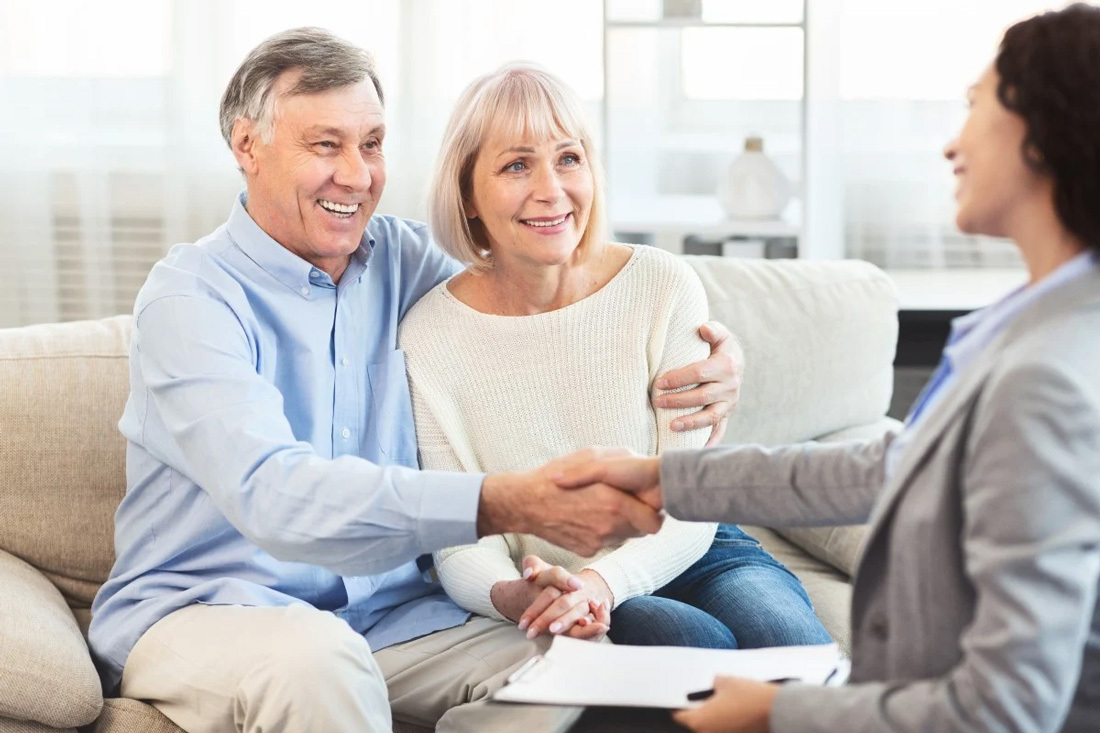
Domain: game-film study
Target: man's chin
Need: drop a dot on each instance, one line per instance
(340, 239)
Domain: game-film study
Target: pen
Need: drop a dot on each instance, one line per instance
(704, 694)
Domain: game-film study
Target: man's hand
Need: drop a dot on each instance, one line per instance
(581, 520)
(637, 475)
(513, 597)
(718, 381)
(737, 706)
(567, 602)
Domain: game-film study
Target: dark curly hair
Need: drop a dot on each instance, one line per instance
(1049, 69)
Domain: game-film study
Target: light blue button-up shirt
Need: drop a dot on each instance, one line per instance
(970, 336)
(271, 449)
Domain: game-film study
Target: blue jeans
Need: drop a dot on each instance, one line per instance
(735, 596)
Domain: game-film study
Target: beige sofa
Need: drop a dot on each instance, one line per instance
(819, 339)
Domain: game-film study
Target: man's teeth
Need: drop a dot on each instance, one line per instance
(553, 223)
(343, 210)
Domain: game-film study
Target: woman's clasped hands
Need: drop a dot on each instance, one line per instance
(548, 599)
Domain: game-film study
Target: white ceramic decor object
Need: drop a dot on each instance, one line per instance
(754, 187)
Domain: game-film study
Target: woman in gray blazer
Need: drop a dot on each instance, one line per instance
(975, 603)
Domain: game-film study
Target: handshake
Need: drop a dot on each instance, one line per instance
(582, 501)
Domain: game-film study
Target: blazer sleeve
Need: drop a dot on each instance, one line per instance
(1031, 546)
(799, 485)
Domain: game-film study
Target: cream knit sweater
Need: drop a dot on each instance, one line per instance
(502, 393)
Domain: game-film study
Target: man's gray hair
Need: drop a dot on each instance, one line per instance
(325, 61)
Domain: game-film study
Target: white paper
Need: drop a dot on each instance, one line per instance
(575, 672)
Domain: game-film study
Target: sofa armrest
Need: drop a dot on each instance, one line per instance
(46, 672)
(839, 546)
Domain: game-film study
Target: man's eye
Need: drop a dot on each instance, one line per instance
(372, 144)
(327, 144)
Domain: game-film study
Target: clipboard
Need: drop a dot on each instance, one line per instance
(574, 672)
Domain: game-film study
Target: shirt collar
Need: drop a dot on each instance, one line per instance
(971, 331)
(282, 264)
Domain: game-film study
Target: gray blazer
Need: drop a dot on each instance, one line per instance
(975, 602)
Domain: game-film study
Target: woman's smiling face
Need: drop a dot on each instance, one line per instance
(992, 178)
(532, 196)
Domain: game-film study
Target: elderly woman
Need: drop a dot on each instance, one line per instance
(550, 340)
(975, 605)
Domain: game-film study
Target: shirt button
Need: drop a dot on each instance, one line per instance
(314, 274)
(344, 361)
(345, 433)
(304, 290)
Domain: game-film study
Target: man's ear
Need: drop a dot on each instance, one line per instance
(243, 142)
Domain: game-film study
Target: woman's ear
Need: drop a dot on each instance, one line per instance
(469, 210)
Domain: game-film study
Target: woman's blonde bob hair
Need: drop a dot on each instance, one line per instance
(517, 100)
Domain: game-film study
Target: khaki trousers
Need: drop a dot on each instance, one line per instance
(296, 669)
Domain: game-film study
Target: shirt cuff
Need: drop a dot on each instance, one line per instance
(448, 509)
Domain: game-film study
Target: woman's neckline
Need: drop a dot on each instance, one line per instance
(446, 290)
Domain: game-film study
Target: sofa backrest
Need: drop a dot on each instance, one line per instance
(62, 458)
(818, 336)
(819, 341)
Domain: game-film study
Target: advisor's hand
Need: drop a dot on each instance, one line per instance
(717, 383)
(737, 706)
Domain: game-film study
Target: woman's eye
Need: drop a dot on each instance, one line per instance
(516, 167)
(571, 159)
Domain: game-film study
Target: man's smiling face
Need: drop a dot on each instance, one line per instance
(315, 183)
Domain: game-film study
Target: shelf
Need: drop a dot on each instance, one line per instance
(699, 215)
(666, 140)
(954, 290)
(693, 23)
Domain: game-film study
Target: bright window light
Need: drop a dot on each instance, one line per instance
(69, 38)
(931, 50)
(741, 63)
(752, 11)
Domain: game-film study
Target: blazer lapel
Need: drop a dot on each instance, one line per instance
(1081, 292)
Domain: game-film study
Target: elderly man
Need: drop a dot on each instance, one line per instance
(266, 577)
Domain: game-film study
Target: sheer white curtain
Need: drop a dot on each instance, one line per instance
(895, 77)
(109, 136)
(111, 153)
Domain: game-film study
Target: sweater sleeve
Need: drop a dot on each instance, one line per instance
(467, 572)
(643, 565)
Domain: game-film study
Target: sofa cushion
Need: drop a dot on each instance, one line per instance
(819, 340)
(7, 725)
(62, 470)
(46, 675)
(123, 715)
(840, 546)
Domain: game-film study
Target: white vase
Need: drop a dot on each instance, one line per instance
(754, 187)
